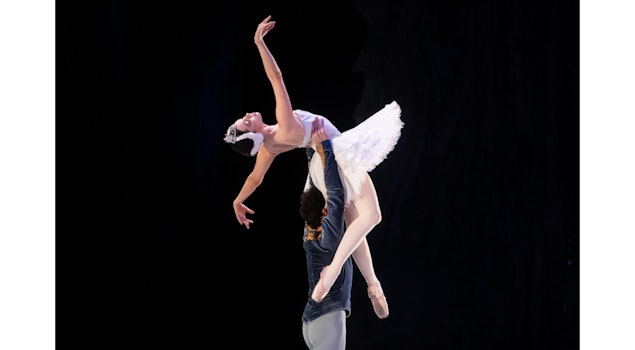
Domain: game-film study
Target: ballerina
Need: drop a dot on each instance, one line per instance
(357, 151)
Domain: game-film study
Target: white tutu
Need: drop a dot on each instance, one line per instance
(360, 149)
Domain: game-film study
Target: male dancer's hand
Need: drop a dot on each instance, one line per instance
(317, 131)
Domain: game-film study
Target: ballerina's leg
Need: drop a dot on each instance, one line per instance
(361, 216)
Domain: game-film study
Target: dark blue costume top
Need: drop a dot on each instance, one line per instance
(319, 253)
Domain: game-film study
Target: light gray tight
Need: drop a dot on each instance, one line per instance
(327, 332)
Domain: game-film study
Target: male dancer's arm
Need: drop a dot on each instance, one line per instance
(334, 220)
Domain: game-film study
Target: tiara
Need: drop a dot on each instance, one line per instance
(230, 135)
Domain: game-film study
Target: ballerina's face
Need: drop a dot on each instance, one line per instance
(251, 122)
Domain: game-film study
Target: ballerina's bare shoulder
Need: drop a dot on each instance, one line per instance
(279, 141)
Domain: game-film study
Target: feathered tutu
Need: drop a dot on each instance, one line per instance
(360, 149)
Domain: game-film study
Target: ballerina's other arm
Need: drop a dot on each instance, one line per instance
(290, 129)
(288, 124)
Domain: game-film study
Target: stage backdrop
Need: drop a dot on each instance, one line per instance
(479, 242)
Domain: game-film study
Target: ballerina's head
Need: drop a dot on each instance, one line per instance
(244, 135)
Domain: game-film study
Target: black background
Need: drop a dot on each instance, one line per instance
(479, 243)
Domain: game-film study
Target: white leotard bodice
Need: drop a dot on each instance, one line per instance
(307, 119)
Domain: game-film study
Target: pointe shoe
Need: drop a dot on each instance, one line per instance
(378, 299)
(320, 292)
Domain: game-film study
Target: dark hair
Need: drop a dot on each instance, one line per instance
(243, 146)
(311, 204)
